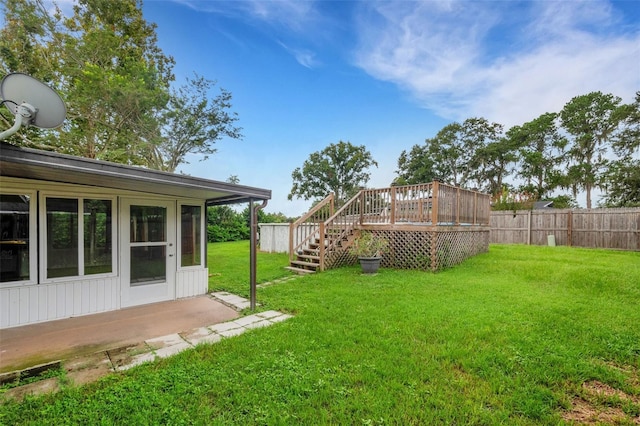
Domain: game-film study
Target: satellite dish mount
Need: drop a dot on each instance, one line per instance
(33, 103)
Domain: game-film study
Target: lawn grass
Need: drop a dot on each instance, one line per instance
(508, 337)
(229, 267)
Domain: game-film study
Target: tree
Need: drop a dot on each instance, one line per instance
(459, 154)
(192, 123)
(622, 179)
(540, 148)
(450, 155)
(493, 155)
(339, 168)
(415, 167)
(593, 121)
(116, 82)
(622, 184)
(628, 141)
(22, 50)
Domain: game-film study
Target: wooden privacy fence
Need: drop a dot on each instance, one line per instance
(597, 228)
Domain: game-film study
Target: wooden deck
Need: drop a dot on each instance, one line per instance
(429, 226)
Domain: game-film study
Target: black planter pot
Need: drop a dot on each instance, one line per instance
(370, 265)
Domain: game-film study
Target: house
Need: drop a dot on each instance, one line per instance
(81, 236)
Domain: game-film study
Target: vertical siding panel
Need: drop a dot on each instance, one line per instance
(62, 297)
(116, 299)
(4, 308)
(93, 295)
(76, 291)
(85, 297)
(43, 303)
(52, 302)
(205, 285)
(100, 294)
(69, 300)
(14, 306)
(23, 300)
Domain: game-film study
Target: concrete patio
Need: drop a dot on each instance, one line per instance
(92, 346)
(26, 346)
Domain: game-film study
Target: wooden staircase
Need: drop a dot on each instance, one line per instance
(307, 260)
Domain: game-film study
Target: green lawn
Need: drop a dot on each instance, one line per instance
(519, 335)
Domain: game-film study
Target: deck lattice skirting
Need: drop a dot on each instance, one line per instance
(429, 227)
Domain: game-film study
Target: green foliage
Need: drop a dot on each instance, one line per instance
(540, 148)
(367, 244)
(469, 154)
(339, 168)
(192, 123)
(563, 202)
(509, 200)
(508, 337)
(225, 224)
(116, 82)
(622, 184)
(415, 166)
(592, 120)
(574, 149)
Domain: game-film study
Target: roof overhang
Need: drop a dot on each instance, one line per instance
(53, 167)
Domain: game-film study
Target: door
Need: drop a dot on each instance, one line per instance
(148, 252)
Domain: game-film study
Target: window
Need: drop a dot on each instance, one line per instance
(14, 237)
(97, 237)
(79, 237)
(191, 236)
(62, 237)
(148, 239)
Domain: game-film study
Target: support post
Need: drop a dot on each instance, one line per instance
(392, 219)
(253, 219)
(458, 206)
(321, 249)
(434, 203)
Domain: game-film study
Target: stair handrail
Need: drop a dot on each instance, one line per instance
(295, 246)
(349, 226)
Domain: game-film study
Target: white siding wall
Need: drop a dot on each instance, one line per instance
(192, 282)
(46, 302)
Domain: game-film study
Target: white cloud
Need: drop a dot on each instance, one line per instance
(463, 59)
(305, 57)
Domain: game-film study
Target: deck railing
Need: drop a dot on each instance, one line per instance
(428, 204)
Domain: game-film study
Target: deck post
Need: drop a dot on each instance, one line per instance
(321, 248)
(475, 208)
(392, 218)
(434, 204)
(458, 205)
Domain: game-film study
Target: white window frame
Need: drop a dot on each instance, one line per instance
(33, 232)
(203, 233)
(43, 235)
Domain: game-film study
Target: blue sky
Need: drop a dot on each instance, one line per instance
(387, 74)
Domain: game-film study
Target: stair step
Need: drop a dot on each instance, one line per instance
(303, 263)
(300, 271)
(311, 256)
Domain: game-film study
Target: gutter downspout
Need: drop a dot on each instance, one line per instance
(253, 210)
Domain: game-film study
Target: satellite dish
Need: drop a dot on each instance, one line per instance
(32, 102)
